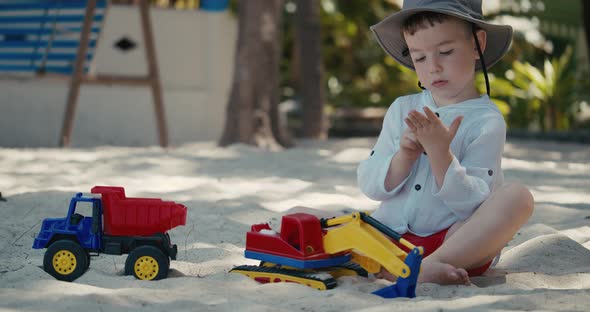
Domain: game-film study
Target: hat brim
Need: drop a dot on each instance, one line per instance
(389, 35)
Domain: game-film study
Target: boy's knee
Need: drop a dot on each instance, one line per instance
(520, 196)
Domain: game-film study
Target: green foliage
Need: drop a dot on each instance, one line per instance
(359, 74)
(356, 70)
(546, 97)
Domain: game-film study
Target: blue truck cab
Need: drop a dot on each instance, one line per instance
(86, 230)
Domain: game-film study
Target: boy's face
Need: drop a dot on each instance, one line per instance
(444, 57)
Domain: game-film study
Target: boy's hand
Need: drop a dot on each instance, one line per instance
(409, 145)
(434, 136)
(402, 162)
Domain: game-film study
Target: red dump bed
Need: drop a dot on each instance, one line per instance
(137, 216)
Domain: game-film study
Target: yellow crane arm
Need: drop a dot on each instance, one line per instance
(353, 234)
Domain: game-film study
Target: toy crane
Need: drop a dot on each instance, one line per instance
(314, 252)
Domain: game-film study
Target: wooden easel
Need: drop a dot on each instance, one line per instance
(79, 76)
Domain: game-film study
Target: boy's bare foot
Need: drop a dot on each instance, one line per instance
(384, 274)
(434, 272)
(442, 273)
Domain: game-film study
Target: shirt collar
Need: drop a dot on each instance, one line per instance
(480, 102)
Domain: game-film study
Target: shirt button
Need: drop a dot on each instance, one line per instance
(417, 187)
(490, 172)
(437, 115)
(372, 152)
(425, 153)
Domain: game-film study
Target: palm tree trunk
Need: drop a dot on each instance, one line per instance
(586, 21)
(311, 69)
(252, 115)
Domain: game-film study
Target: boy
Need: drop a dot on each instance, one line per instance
(436, 166)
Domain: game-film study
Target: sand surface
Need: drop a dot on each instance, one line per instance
(545, 267)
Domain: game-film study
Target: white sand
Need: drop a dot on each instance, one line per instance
(545, 267)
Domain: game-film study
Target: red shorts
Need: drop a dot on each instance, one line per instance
(432, 242)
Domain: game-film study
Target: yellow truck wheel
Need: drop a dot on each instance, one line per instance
(65, 260)
(147, 263)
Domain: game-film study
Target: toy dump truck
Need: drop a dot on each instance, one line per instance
(118, 225)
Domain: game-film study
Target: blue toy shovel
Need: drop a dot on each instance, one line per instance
(404, 286)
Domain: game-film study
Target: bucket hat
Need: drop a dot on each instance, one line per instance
(389, 31)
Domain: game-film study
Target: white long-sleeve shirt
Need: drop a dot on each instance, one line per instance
(417, 204)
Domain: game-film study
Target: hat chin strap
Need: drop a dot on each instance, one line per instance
(481, 60)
